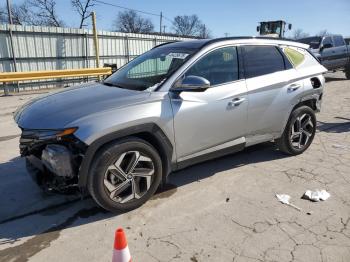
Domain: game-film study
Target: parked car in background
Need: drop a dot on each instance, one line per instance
(176, 105)
(332, 51)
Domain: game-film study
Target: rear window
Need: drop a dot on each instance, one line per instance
(262, 60)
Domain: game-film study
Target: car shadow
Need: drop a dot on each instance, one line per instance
(334, 127)
(46, 223)
(334, 79)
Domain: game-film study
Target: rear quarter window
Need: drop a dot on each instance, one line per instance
(294, 56)
(299, 57)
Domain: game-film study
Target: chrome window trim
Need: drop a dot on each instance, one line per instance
(166, 86)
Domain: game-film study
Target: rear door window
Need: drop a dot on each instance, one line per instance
(338, 40)
(262, 60)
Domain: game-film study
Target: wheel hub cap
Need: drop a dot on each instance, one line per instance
(302, 131)
(130, 177)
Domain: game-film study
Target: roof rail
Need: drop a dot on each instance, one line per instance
(166, 43)
(246, 37)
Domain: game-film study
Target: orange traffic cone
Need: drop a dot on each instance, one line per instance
(121, 251)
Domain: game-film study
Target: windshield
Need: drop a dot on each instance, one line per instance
(314, 42)
(150, 69)
(270, 28)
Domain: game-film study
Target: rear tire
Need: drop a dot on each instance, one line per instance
(125, 174)
(299, 131)
(347, 72)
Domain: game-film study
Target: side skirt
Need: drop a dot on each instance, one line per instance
(209, 156)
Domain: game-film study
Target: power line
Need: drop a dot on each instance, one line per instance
(161, 16)
(170, 20)
(126, 8)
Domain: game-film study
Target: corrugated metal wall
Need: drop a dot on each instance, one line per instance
(50, 48)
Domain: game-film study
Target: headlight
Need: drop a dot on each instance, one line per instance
(49, 134)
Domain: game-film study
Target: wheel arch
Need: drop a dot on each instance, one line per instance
(311, 102)
(151, 133)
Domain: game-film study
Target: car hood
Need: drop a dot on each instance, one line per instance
(57, 110)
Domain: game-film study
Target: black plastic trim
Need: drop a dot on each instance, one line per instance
(209, 156)
(163, 145)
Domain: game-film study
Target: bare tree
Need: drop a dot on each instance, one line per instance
(3, 15)
(187, 25)
(45, 11)
(190, 25)
(83, 7)
(132, 22)
(21, 15)
(204, 32)
(299, 33)
(323, 33)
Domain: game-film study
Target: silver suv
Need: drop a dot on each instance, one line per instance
(176, 105)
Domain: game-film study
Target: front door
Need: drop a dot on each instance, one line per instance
(213, 120)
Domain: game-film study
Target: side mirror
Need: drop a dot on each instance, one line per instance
(191, 84)
(258, 28)
(290, 26)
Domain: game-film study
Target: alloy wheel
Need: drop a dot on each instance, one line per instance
(130, 177)
(302, 131)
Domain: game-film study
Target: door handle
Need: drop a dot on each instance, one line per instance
(293, 87)
(236, 101)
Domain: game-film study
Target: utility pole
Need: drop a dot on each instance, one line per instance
(164, 26)
(9, 12)
(160, 22)
(94, 30)
(226, 34)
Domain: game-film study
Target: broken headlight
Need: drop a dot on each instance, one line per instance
(32, 139)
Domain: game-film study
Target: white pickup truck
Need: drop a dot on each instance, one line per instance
(332, 51)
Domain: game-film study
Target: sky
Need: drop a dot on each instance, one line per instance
(232, 17)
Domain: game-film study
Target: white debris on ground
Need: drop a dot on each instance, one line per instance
(285, 200)
(316, 195)
(340, 146)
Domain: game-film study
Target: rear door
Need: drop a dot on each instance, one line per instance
(271, 86)
(329, 58)
(340, 51)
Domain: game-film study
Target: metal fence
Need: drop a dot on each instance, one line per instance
(50, 48)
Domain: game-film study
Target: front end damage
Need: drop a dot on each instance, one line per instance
(53, 157)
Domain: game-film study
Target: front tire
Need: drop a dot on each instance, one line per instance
(299, 132)
(125, 174)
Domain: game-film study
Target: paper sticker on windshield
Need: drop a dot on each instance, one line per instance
(177, 55)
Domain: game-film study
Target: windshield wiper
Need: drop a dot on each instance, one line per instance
(110, 84)
(107, 84)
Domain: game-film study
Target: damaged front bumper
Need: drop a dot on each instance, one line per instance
(53, 157)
